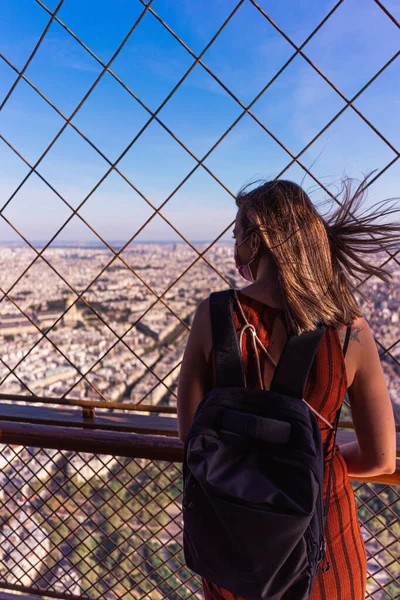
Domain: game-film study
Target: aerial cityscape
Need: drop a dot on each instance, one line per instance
(153, 331)
(144, 364)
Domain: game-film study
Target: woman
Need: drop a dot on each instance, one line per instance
(300, 269)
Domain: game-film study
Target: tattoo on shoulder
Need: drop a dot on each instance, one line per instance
(354, 334)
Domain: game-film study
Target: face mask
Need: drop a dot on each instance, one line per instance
(244, 270)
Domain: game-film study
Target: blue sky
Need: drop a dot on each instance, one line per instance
(349, 49)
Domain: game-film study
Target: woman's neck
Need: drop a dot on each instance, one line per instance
(266, 292)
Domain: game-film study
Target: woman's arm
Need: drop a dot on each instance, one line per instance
(195, 377)
(374, 452)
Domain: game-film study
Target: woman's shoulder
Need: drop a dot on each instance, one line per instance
(359, 328)
(201, 326)
(361, 348)
(202, 311)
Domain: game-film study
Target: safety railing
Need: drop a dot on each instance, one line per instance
(97, 514)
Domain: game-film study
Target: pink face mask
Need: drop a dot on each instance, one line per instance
(244, 270)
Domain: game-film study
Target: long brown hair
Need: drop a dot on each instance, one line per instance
(320, 261)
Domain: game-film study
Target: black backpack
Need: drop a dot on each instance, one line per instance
(253, 473)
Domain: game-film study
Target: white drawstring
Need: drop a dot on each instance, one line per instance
(256, 340)
(318, 415)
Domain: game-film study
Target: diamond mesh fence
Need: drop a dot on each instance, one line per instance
(102, 526)
(150, 336)
(97, 526)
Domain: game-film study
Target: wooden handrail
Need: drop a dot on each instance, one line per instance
(109, 405)
(73, 418)
(113, 420)
(124, 443)
(95, 441)
(129, 406)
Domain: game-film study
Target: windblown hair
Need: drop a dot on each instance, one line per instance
(320, 262)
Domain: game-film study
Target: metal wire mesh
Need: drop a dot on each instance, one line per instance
(100, 526)
(97, 526)
(84, 380)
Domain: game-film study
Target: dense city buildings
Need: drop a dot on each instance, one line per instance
(132, 317)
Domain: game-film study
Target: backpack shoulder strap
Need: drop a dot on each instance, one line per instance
(346, 340)
(335, 427)
(291, 373)
(227, 354)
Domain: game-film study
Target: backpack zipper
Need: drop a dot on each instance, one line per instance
(325, 565)
(186, 487)
(324, 560)
(254, 506)
(249, 403)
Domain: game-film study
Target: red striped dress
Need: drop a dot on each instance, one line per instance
(325, 391)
